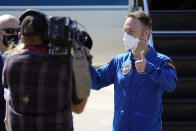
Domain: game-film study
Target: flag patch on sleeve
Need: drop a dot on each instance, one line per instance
(171, 64)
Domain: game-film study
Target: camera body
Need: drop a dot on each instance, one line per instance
(63, 33)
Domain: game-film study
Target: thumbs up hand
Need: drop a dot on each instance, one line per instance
(141, 64)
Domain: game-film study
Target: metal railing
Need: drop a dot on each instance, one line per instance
(146, 9)
(131, 6)
(175, 32)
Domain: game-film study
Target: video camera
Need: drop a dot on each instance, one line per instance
(65, 39)
(63, 34)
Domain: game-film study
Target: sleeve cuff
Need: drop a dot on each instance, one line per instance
(91, 70)
(90, 67)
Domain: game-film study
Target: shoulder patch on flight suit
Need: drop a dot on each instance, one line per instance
(171, 64)
(126, 69)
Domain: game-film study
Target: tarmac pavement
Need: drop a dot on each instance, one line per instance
(98, 113)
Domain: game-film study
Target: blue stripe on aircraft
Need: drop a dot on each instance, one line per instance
(61, 2)
(66, 9)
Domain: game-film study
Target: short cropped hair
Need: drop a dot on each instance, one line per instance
(32, 26)
(143, 17)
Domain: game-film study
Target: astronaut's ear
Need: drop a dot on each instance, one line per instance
(147, 33)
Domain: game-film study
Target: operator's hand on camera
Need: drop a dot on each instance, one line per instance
(88, 55)
(87, 50)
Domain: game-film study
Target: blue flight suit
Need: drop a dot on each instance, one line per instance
(138, 97)
(2, 101)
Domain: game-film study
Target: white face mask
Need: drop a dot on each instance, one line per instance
(130, 42)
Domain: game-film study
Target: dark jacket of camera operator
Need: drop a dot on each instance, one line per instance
(38, 93)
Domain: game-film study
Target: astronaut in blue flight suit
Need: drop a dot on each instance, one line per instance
(140, 77)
